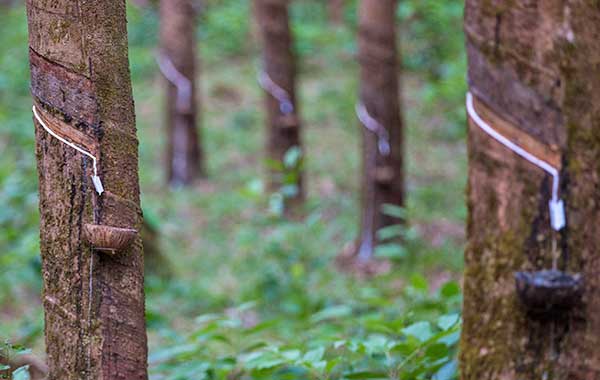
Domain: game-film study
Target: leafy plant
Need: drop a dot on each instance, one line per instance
(7, 353)
(338, 342)
(19, 247)
(224, 29)
(288, 173)
(433, 46)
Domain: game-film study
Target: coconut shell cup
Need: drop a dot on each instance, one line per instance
(549, 291)
(109, 239)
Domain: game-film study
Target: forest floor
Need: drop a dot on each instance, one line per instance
(240, 280)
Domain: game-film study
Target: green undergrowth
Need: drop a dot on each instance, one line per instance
(251, 295)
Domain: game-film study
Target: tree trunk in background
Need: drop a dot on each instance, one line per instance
(382, 172)
(336, 11)
(80, 83)
(283, 131)
(178, 64)
(533, 70)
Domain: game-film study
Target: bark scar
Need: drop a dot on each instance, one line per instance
(548, 153)
(67, 131)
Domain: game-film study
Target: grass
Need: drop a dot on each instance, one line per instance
(241, 275)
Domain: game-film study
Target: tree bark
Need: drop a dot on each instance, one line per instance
(283, 130)
(382, 169)
(534, 74)
(81, 88)
(178, 63)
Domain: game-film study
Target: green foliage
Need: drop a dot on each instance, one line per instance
(433, 45)
(338, 342)
(315, 40)
(19, 237)
(21, 373)
(143, 39)
(7, 353)
(224, 29)
(288, 173)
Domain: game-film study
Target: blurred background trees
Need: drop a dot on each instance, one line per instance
(378, 113)
(253, 294)
(277, 77)
(178, 63)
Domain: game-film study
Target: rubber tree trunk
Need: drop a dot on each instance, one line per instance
(283, 128)
(382, 170)
(178, 63)
(534, 74)
(81, 89)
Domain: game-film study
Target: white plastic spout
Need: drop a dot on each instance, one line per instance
(557, 214)
(97, 184)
